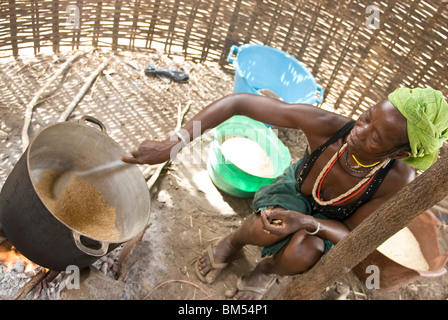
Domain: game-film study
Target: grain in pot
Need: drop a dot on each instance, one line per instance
(248, 155)
(404, 249)
(80, 206)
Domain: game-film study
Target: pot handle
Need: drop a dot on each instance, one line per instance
(90, 251)
(93, 120)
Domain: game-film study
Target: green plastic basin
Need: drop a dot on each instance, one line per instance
(228, 177)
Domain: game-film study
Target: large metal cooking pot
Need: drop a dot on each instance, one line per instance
(35, 231)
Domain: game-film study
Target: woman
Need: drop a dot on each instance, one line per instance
(349, 170)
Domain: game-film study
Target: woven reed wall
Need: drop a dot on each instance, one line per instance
(356, 65)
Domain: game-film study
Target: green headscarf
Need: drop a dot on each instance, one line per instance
(426, 112)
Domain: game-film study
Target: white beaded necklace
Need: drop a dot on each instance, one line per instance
(330, 163)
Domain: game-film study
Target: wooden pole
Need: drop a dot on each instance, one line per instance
(421, 194)
(89, 81)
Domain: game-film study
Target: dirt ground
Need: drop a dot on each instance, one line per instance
(187, 211)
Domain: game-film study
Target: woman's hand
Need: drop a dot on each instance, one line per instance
(283, 222)
(151, 152)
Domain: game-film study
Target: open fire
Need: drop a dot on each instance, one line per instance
(10, 257)
(20, 278)
(16, 271)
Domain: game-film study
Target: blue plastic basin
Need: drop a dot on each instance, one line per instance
(263, 67)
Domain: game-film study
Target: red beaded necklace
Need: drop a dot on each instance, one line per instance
(350, 193)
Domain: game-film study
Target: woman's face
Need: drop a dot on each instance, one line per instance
(378, 131)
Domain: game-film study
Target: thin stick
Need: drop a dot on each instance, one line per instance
(33, 102)
(181, 114)
(30, 285)
(148, 172)
(145, 285)
(182, 281)
(64, 116)
(156, 174)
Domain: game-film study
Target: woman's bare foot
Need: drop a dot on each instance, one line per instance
(213, 260)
